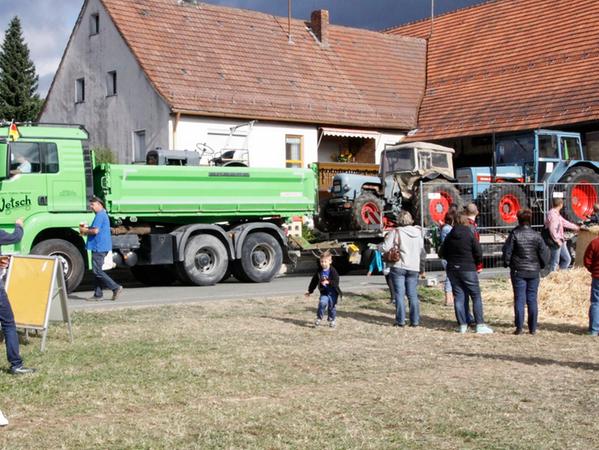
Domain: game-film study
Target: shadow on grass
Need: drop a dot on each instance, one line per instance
(368, 318)
(297, 322)
(363, 295)
(532, 360)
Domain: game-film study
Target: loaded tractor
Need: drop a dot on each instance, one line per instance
(417, 177)
(529, 169)
(170, 220)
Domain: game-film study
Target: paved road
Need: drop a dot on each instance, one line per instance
(136, 295)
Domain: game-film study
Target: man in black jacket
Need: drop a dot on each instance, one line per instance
(526, 254)
(7, 319)
(463, 254)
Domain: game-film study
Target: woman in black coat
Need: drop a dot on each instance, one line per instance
(526, 254)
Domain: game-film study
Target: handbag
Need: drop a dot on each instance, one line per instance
(108, 262)
(393, 255)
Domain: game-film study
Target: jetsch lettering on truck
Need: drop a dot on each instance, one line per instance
(8, 205)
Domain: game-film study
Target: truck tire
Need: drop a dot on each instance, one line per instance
(158, 275)
(501, 203)
(366, 211)
(261, 259)
(580, 193)
(444, 194)
(70, 256)
(205, 261)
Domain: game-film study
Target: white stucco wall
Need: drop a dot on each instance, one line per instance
(110, 120)
(265, 142)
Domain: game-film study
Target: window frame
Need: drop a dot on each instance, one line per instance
(80, 90)
(111, 82)
(94, 24)
(301, 146)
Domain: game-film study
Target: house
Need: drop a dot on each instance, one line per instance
(509, 65)
(185, 75)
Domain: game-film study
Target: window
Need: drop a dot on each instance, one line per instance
(515, 149)
(399, 160)
(294, 151)
(94, 24)
(80, 90)
(139, 145)
(548, 146)
(570, 148)
(111, 83)
(33, 157)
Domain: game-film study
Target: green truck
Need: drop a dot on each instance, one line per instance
(194, 224)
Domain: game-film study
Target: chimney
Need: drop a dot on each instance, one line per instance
(319, 22)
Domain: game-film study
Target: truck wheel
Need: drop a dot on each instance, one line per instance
(438, 196)
(206, 260)
(261, 259)
(71, 258)
(367, 211)
(580, 193)
(159, 275)
(502, 203)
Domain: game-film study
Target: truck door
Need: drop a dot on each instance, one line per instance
(23, 193)
(547, 155)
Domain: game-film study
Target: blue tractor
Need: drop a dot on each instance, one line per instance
(528, 169)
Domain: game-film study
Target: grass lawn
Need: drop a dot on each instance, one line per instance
(256, 374)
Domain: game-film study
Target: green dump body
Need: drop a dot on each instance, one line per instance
(182, 194)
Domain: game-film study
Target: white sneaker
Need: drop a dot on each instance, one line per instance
(3, 420)
(483, 329)
(332, 324)
(462, 329)
(317, 322)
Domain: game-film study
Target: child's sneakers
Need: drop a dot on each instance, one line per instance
(317, 322)
(332, 324)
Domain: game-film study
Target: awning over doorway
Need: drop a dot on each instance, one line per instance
(347, 132)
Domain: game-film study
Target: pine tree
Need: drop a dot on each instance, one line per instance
(18, 80)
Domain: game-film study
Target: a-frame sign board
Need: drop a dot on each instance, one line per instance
(32, 285)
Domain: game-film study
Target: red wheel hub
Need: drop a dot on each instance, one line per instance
(584, 196)
(370, 213)
(509, 205)
(438, 207)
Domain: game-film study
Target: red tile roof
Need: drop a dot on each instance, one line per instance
(510, 65)
(212, 60)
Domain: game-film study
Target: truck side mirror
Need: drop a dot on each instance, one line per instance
(4, 164)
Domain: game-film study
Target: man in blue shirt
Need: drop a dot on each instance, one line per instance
(99, 243)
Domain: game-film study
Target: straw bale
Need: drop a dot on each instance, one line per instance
(563, 297)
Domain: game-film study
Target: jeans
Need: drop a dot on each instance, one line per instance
(594, 309)
(405, 282)
(328, 302)
(466, 284)
(100, 277)
(560, 257)
(525, 292)
(447, 283)
(11, 339)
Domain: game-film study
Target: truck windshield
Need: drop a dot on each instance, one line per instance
(515, 149)
(399, 160)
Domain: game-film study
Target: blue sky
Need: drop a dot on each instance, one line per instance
(47, 24)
